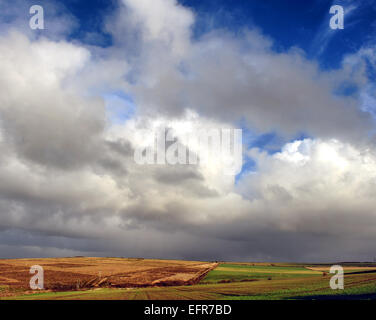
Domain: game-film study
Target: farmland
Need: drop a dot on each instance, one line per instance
(84, 273)
(143, 279)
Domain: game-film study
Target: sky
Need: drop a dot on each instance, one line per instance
(77, 96)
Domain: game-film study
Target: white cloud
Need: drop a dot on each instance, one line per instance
(43, 118)
(316, 186)
(232, 79)
(162, 21)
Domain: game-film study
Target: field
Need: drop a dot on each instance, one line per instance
(139, 279)
(62, 274)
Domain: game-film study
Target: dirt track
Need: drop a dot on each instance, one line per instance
(81, 272)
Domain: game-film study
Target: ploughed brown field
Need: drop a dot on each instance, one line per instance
(84, 272)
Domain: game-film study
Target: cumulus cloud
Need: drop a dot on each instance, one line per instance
(231, 78)
(69, 182)
(42, 118)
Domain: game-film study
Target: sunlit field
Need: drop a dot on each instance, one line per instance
(228, 281)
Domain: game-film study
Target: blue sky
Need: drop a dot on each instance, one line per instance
(290, 23)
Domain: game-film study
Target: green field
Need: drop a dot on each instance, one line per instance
(232, 281)
(234, 272)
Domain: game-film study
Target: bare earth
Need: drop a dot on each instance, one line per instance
(84, 272)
